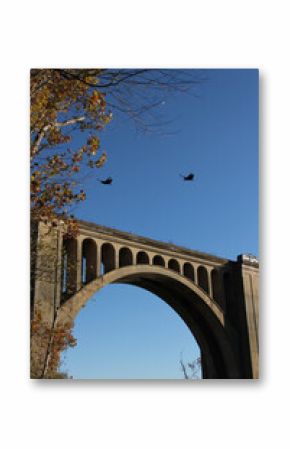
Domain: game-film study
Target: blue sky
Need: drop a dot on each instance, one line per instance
(125, 332)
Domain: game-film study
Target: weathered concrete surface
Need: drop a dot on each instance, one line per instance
(217, 298)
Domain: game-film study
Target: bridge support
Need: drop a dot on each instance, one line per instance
(46, 291)
(250, 279)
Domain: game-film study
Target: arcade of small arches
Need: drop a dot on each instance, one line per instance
(84, 260)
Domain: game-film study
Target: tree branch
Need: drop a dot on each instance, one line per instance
(113, 83)
(42, 132)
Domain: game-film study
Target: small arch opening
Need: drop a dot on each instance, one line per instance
(142, 258)
(216, 285)
(188, 271)
(125, 257)
(89, 260)
(158, 260)
(202, 277)
(107, 258)
(69, 267)
(174, 265)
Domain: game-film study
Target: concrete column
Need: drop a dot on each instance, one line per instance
(47, 290)
(79, 264)
(250, 278)
(46, 271)
(194, 266)
(222, 291)
(99, 259)
(134, 256)
(210, 289)
(116, 248)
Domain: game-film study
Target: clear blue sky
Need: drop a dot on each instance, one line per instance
(126, 332)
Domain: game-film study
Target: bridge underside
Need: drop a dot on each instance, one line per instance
(205, 320)
(218, 360)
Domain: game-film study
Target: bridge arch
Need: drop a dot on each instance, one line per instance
(174, 265)
(142, 258)
(188, 271)
(125, 257)
(108, 262)
(203, 316)
(69, 267)
(158, 260)
(202, 278)
(89, 260)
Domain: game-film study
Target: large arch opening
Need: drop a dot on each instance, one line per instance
(202, 315)
(126, 332)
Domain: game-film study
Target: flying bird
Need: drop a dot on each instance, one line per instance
(106, 181)
(188, 177)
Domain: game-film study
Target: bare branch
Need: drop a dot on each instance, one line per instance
(185, 375)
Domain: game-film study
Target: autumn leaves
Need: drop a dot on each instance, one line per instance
(61, 106)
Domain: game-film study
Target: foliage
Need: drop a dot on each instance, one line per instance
(60, 106)
(47, 343)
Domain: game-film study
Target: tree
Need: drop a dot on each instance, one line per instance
(68, 102)
(69, 109)
(59, 107)
(52, 340)
(192, 369)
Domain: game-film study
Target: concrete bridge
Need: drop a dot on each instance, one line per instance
(217, 298)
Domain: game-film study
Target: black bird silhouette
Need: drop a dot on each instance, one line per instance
(189, 177)
(106, 181)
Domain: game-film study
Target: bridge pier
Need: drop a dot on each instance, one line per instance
(250, 280)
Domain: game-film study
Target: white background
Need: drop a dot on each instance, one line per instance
(206, 414)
